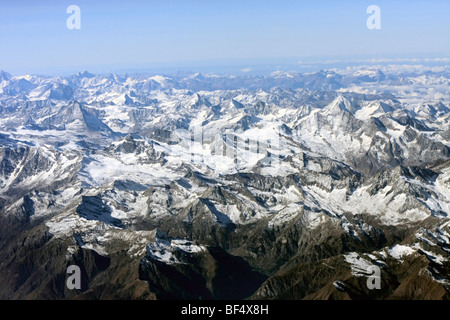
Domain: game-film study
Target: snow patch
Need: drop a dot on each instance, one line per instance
(399, 251)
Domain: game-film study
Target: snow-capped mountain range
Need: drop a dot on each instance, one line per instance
(219, 186)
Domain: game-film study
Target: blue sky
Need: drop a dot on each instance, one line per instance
(129, 34)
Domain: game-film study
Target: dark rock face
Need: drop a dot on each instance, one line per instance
(209, 273)
(93, 208)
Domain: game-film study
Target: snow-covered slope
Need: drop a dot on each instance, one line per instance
(185, 171)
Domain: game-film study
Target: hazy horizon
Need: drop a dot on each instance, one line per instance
(236, 67)
(215, 35)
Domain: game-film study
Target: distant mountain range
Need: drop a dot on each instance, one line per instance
(195, 186)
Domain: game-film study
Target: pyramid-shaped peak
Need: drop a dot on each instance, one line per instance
(198, 100)
(128, 138)
(340, 103)
(236, 104)
(74, 111)
(343, 103)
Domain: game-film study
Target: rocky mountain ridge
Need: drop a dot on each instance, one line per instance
(225, 187)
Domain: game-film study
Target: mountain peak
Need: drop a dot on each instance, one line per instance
(236, 104)
(198, 100)
(128, 138)
(339, 104)
(85, 74)
(5, 75)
